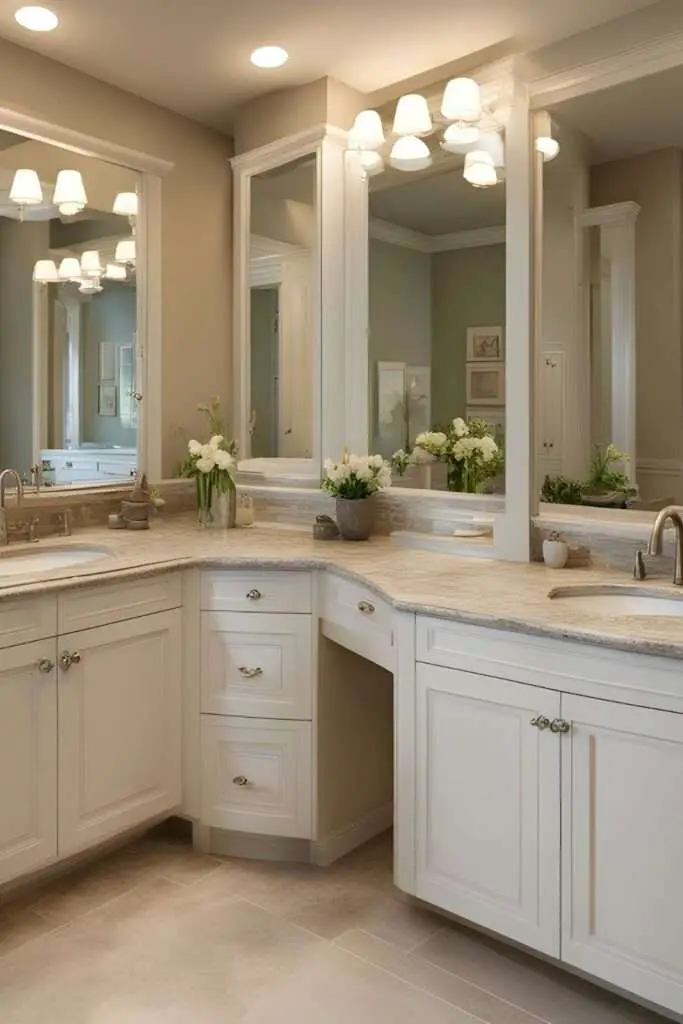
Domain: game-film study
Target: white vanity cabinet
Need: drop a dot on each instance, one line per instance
(544, 800)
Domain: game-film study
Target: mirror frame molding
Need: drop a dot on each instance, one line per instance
(152, 170)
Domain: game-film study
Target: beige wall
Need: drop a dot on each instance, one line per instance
(654, 181)
(196, 219)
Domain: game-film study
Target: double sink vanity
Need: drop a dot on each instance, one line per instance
(521, 728)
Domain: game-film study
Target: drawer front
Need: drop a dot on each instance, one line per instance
(256, 776)
(256, 666)
(28, 620)
(256, 591)
(353, 616)
(114, 602)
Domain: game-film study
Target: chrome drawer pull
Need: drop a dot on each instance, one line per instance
(67, 659)
(45, 666)
(541, 722)
(254, 595)
(240, 780)
(250, 673)
(366, 607)
(559, 725)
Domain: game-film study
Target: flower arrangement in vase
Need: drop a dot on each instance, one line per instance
(469, 449)
(354, 481)
(212, 466)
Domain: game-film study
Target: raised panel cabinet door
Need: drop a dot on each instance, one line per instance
(28, 758)
(257, 776)
(119, 727)
(488, 803)
(256, 666)
(622, 848)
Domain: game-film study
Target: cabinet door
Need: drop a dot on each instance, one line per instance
(622, 807)
(256, 776)
(488, 803)
(28, 758)
(119, 728)
(256, 665)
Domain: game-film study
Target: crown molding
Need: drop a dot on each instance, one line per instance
(646, 58)
(386, 231)
(290, 147)
(615, 213)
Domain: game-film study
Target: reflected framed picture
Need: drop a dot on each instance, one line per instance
(486, 384)
(106, 400)
(107, 362)
(485, 344)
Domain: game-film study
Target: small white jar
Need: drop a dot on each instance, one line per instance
(555, 553)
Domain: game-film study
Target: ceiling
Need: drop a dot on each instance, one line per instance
(193, 55)
(636, 117)
(438, 204)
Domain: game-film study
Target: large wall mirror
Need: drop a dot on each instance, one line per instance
(437, 309)
(610, 358)
(69, 387)
(277, 298)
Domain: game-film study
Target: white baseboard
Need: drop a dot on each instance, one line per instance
(340, 842)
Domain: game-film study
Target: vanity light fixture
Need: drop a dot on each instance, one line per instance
(462, 101)
(126, 204)
(367, 132)
(456, 136)
(115, 272)
(70, 196)
(410, 154)
(90, 286)
(412, 116)
(26, 189)
(36, 19)
(69, 269)
(480, 170)
(269, 57)
(91, 264)
(371, 162)
(546, 144)
(125, 251)
(45, 272)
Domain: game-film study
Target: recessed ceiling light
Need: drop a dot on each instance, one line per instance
(37, 19)
(269, 57)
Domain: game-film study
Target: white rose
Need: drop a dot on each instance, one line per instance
(194, 448)
(205, 464)
(216, 441)
(377, 461)
(460, 428)
(384, 477)
(223, 459)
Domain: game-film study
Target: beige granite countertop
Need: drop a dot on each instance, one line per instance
(501, 595)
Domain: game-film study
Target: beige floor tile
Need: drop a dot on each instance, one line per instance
(434, 980)
(20, 924)
(173, 859)
(542, 989)
(333, 987)
(70, 896)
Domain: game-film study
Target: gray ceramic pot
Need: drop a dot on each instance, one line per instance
(355, 518)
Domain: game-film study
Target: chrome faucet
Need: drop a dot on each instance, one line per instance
(656, 544)
(4, 535)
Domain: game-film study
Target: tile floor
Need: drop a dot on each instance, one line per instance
(158, 934)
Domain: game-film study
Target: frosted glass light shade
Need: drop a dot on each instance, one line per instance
(548, 146)
(70, 196)
(126, 204)
(115, 272)
(371, 162)
(69, 269)
(367, 131)
(461, 100)
(125, 251)
(458, 135)
(26, 189)
(412, 116)
(410, 154)
(479, 169)
(492, 143)
(45, 272)
(91, 264)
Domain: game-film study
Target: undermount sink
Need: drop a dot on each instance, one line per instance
(20, 563)
(609, 600)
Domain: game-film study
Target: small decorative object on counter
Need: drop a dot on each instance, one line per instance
(555, 551)
(354, 481)
(115, 521)
(245, 510)
(135, 510)
(212, 465)
(325, 528)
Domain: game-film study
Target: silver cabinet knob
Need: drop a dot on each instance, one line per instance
(45, 666)
(366, 607)
(250, 673)
(541, 722)
(254, 595)
(240, 780)
(69, 658)
(559, 725)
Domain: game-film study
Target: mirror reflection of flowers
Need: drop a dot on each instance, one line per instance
(469, 449)
(356, 476)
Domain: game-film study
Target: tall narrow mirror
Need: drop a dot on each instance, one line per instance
(68, 315)
(282, 259)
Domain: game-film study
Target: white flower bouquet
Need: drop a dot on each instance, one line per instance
(469, 450)
(212, 465)
(356, 477)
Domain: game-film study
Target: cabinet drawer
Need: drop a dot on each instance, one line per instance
(114, 602)
(25, 621)
(256, 666)
(353, 616)
(256, 776)
(256, 591)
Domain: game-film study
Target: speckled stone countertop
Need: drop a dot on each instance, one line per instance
(500, 595)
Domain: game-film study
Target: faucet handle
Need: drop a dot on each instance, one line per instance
(639, 570)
